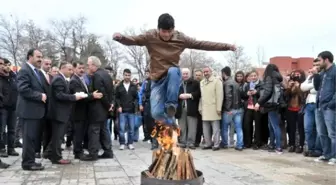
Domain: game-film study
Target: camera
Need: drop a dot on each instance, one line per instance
(296, 78)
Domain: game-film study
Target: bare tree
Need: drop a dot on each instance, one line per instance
(239, 61)
(260, 55)
(79, 36)
(11, 34)
(93, 48)
(35, 35)
(193, 59)
(114, 56)
(137, 56)
(60, 34)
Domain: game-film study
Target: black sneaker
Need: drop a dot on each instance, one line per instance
(3, 153)
(3, 165)
(12, 152)
(18, 144)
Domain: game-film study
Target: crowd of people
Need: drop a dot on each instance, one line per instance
(82, 102)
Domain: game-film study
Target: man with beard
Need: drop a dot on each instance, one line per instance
(8, 116)
(326, 108)
(31, 106)
(46, 130)
(98, 111)
(165, 46)
(2, 66)
(144, 103)
(79, 114)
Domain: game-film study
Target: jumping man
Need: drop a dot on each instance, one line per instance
(165, 46)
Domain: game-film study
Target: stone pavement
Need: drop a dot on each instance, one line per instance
(219, 168)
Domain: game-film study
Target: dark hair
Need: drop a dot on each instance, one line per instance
(127, 71)
(75, 64)
(240, 73)
(109, 68)
(227, 71)
(270, 68)
(62, 64)
(166, 22)
(327, 55)
(6, 61)
(30, 53)
(316, 60)
(198, 70)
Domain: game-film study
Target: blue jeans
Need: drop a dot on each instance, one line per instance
(126, 119)
(312, 139)
(236, 117)
(108, 126)
(164, 93)
(274, 128)
(325, 123)
(8, 119)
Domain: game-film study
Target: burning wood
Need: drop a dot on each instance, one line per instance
(170, 162)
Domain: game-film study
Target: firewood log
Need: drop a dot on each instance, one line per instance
(157, 163)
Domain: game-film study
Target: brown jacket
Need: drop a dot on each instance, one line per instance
(164, 55)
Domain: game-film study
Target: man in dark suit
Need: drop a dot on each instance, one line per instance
(79, 114)
(45, 131)
(60, 108)
(98, 111)
(31, 107)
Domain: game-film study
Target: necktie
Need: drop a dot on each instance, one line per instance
(37, 74)
(48, 78)
(84, 83)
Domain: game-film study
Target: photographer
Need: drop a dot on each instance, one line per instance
(295, 102)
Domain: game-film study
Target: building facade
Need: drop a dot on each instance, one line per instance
(288, 64)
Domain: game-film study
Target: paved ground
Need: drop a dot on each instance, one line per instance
(219, 168)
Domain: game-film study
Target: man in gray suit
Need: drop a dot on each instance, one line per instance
(31, 107)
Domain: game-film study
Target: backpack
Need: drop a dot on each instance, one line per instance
(277, 95)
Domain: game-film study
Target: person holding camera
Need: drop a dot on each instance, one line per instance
(295, 101)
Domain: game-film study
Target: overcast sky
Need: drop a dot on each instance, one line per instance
(282, 27)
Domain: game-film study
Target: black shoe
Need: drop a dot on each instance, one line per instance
(154, 147)
(171, 110)
(115, 138)
(106, 155)
(291, 149)
(239, 149)
(12, 152)
(271, 148)
(37, 155)
(215, 148)
(299, 150)
(18, 144)
(255, 147)
(206, 148)
(78, 156)
(192, 147)
(146, 139)
(315, 154)
(3, 153)
(38, 164)
(3, 165)
(89, 158)
(33, 168)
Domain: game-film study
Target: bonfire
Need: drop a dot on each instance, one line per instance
(170, 162)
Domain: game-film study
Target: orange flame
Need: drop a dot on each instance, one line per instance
(166, 135)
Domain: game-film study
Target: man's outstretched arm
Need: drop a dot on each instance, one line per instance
(192, 43)
(138, 40)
